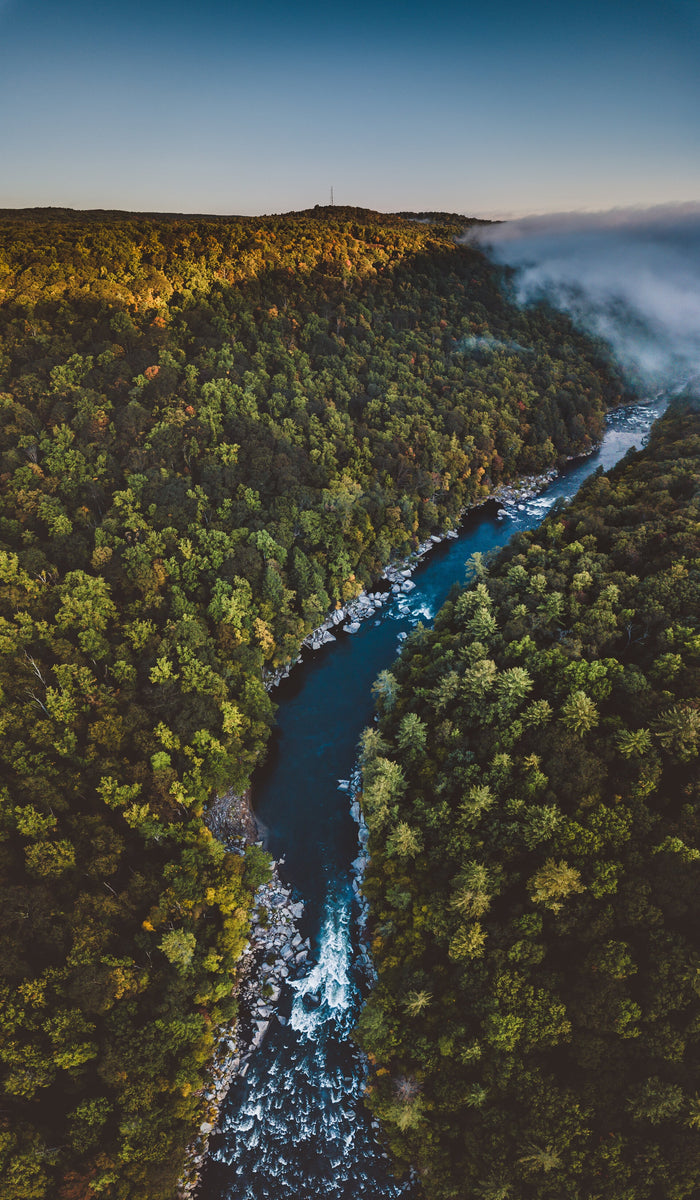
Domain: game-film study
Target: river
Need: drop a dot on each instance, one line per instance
(295, 1128)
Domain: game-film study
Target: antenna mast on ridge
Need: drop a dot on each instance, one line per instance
(331, 197)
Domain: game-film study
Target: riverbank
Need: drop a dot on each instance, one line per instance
(349, 618)
(275, 953)
(358, 868)
(231, 819)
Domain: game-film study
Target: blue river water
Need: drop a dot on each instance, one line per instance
(296, 1128)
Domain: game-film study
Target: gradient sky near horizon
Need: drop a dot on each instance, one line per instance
(237, 108)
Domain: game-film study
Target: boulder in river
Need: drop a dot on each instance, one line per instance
(262, 1028)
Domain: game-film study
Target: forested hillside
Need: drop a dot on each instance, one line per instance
(212, 431)
(533, 798)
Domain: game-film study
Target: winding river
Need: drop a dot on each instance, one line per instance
(295, 1127)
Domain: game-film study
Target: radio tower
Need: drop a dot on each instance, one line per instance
(331, 197)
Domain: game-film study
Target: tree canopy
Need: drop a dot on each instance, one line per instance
(213, 431)
(534, 881)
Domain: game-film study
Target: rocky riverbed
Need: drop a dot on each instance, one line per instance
(275, 954)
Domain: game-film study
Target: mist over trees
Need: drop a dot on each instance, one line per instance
(631, 276)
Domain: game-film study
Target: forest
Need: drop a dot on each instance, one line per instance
(213, 431)
(533, 799)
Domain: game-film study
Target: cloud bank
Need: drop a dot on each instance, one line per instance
(629, 276)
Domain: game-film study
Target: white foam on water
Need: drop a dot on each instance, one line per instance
(538, 506)
(297, 1129)
(326, 991)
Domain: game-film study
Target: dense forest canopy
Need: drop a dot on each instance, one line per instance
(533, 798)
(213, 431)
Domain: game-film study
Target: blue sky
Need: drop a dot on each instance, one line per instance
(232, 108)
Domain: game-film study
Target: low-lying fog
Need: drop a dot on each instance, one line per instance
(630, 276)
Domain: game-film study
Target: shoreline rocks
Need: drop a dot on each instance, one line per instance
(275, 953)
(349, 618)
(357, 870)
(230, 818)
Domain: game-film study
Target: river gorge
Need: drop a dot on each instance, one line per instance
(294, 1126)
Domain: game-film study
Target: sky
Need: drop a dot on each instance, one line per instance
(489, 110)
